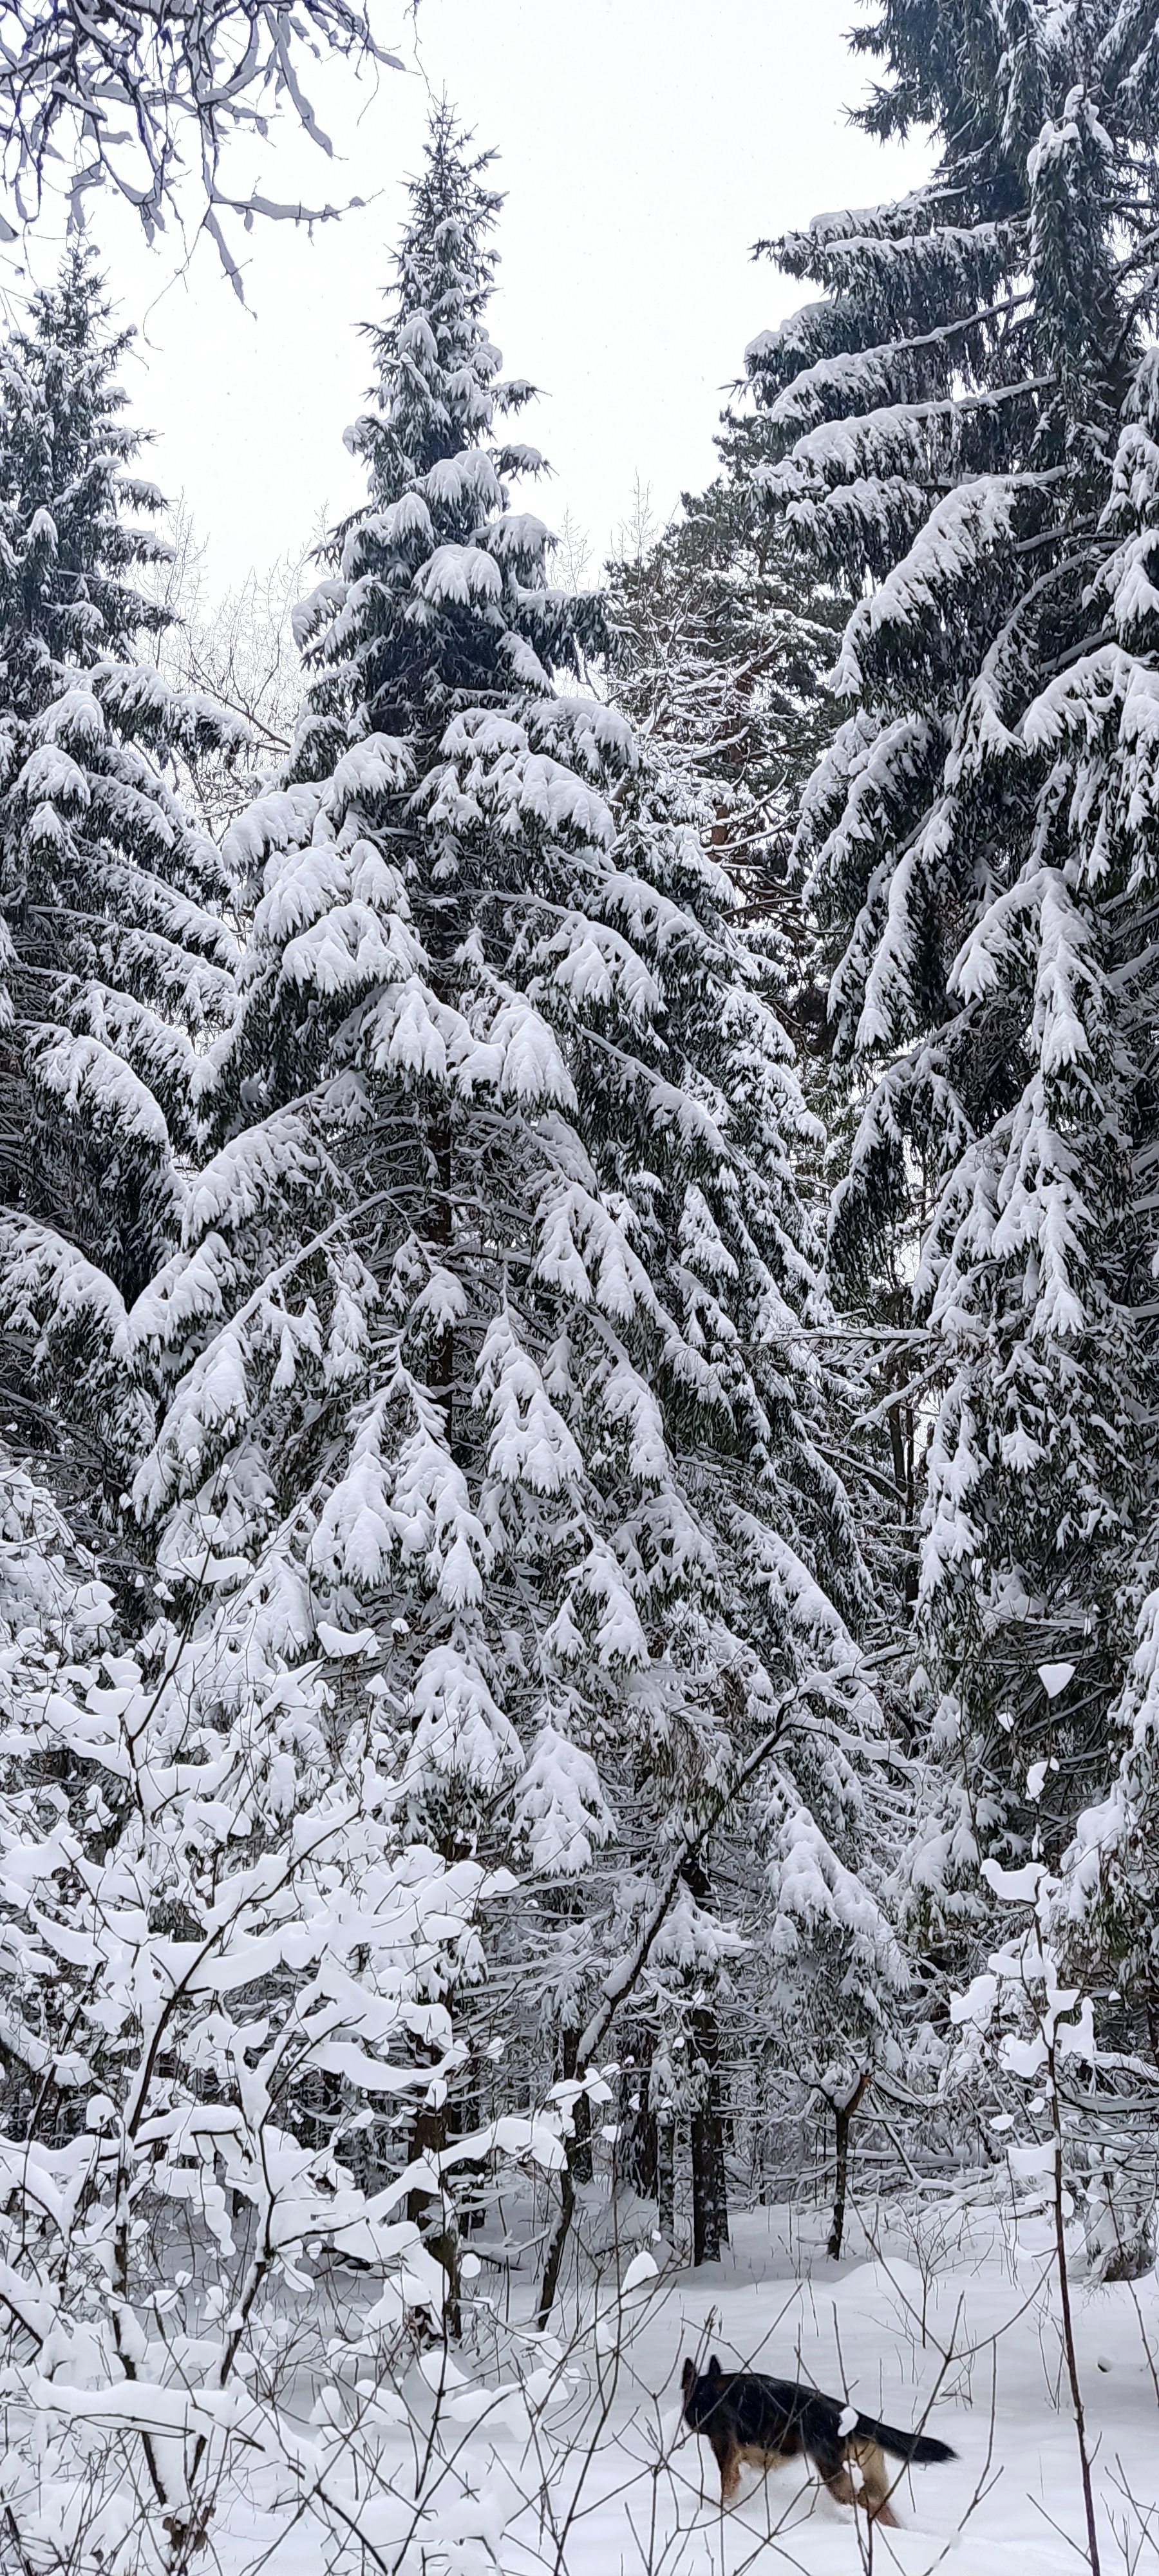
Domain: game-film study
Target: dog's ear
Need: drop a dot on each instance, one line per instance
(688, 2376)
(714, 2370)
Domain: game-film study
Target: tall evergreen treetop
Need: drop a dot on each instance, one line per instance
(115, 956)
(67, 597)
(441, 594)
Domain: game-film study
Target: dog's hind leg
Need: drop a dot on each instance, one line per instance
(861, 2477)
(726, 2454)
(868, 2465)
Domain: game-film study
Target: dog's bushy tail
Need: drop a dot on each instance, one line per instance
(904, 2446)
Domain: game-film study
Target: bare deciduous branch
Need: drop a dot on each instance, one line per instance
(146, 96)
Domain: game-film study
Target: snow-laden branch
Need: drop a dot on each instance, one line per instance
(146, 99)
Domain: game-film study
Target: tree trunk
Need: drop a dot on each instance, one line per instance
(464, 2118)
(550, 2282)
(709, 2184)
(582, 2141)
(842, 2116)
(636, 2154)
(666, 2173)
(581, 2118)
(577, 2168)
(434, 2214)
(442, 1231)
(1068, 2341)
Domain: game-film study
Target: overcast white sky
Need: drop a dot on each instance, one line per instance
(644, 145)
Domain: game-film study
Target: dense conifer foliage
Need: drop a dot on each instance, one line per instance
(964, 429)
(492, 1331)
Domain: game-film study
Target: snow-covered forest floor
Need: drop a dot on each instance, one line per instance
(942, 2317)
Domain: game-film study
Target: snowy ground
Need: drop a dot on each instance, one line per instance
(945, 2321)
(971, 2350)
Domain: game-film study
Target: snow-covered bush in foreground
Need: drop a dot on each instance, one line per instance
(209, 1990)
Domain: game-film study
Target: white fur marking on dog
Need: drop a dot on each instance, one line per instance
(846, 2422)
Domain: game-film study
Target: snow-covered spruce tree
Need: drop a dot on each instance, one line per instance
(114, 954)
(965, 429)
(717, 645)
(490, 1315)
(774, 629)
(716, 649)
(1105, 1913)
(170, 2050)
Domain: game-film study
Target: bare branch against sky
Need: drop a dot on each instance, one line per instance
(146, 99)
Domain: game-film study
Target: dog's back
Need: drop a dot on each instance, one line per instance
(764, 2412)
(748, 2417)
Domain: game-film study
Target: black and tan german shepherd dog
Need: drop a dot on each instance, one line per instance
(744, 2416)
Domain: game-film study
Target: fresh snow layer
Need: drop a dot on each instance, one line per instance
(941, 2320)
